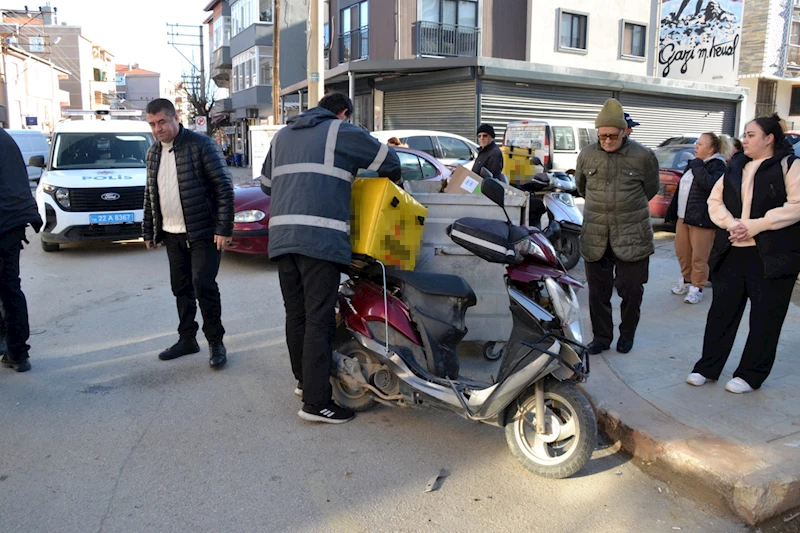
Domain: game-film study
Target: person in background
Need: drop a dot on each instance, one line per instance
(188, 205)
(394, 141)
(309, 234)
(489, 156)
(756, 255)
(631, 124)
(17, 211)
(617, 176)
(694, 230)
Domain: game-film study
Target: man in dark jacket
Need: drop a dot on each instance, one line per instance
(17, 210)
(308, 173)
(617, 176)
(188, 205)
(489, 156)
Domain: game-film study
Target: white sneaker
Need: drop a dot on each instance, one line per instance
(698, 380)
(681, 287)
(738, 386)
(695, 295)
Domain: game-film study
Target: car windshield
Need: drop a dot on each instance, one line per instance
(674, 157)
(100, 150)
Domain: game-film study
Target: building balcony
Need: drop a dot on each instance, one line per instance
(221, 67)
(449, 40)
(354, 45)
(222, 107)
(104, 87)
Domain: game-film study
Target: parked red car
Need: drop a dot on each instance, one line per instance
(251, 205)
(672, 162)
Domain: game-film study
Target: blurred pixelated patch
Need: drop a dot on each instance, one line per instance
(386, 222)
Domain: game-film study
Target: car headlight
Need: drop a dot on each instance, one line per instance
(60, 194)
(251, 215)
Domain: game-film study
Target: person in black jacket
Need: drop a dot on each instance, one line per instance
(17, 210)
(694, 231)
(489, 157)
(756, 255)
(188, 205)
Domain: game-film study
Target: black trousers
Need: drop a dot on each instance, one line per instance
(629, 279)
(15, 307)
(310, 287)
(741, 276)
(193, 272)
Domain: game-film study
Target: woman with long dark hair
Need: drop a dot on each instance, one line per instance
(756, 255)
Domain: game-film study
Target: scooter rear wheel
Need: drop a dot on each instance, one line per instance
(569, 249)
(357, 400)
(572, 431)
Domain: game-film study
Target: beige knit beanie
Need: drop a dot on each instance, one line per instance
(611, 115)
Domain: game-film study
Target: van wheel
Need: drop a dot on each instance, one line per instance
(50, 246)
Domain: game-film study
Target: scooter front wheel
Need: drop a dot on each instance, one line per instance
(571, 431)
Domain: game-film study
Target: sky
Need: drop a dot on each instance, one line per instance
(136, 31)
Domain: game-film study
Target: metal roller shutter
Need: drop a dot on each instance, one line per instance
(662, 117)
(446, 107)
(504, 102)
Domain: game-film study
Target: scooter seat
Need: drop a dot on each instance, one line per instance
(435, 284)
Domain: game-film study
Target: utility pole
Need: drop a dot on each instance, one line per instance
(276, 64)
(197, 82)
(316, 56)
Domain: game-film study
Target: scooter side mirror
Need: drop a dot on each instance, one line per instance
(536, 161)
(494, 191)
(486, 174)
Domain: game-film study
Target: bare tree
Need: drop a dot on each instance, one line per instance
(200, 102)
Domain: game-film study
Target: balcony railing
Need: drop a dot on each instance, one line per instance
(354, 45)
(436, 39)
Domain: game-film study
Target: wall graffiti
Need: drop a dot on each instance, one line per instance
(700, 40)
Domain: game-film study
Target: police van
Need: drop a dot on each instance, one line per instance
(92, 188)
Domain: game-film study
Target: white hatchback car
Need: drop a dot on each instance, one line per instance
(448, 148)
(93, 186)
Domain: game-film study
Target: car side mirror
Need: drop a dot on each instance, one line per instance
(36, 161)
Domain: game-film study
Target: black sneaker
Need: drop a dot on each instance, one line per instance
(184, 346)
(20, 364)
(330, 414)
(217, 354)
(3, 344)
(595, 347)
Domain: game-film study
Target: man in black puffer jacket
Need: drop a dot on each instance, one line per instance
(188, 205)
(17, 210)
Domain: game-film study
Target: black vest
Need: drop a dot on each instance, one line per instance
(779, 249)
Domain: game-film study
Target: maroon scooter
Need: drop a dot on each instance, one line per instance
(398, 333)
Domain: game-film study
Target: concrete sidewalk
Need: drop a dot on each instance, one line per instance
(737, 451)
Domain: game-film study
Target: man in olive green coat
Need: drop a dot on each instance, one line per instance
(617, 177)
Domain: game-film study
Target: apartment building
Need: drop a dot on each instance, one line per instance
(135, 86)
(770, 64)
(240, 32)
(453, 64)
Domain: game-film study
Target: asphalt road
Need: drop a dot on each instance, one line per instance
(101, 436)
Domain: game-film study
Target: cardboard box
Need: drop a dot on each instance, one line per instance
(386, 222)
(463, 181)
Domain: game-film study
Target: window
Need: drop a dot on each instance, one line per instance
(794, 45)
(564, 138)
(454, 12)
(252, 67)
(794, 103)
(355, 32)
(586, 137)
(454, 149)
(634, 40)
(245, 13)
(422, 143)
(428, 170)
(222, 33)
(572, 31)
(410, 169)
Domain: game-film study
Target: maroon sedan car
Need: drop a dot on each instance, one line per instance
(673, 160)
(251, 205)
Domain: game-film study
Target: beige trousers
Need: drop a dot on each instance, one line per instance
(693, 246)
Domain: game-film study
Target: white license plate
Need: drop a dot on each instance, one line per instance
(110, 218)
